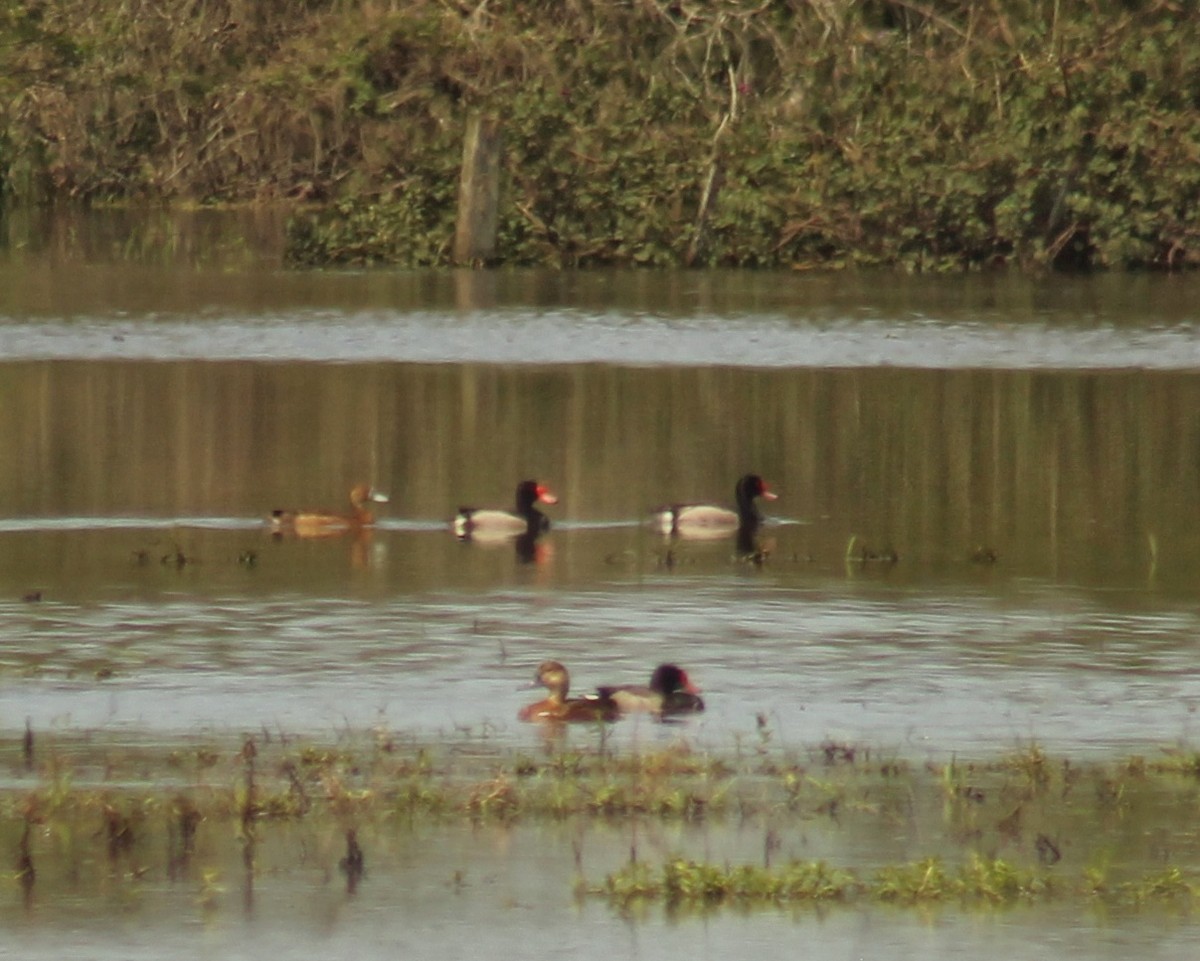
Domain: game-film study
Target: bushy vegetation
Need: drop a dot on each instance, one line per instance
(779, 133)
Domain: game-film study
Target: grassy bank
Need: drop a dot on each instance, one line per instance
(787, 133)
(1024, 827)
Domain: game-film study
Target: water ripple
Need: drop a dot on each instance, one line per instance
(572, 336)
(900, 671)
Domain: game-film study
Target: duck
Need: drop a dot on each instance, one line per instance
(557, 707)
(329, 523)
(710, 520)
(670, 691)
(473, 523)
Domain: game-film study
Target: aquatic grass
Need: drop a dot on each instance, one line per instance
(199, 758)
(1032, 764)
(277, 781)
(980, 881)
(1169, 884)
(1060, 826)
(681, 881)
(923, 880)
(599, 794)
(418, 798)
(1183, 763)
(496, 799)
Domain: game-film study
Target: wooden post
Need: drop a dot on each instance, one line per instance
(716, 175)
(478, 192)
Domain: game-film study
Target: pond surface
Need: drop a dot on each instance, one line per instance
(987, 535)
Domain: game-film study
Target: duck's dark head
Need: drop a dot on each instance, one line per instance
(670, 678)
(750, 486)
(530, 492)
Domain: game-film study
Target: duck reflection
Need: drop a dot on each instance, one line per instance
(753, 548)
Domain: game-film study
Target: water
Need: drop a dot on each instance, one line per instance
(1027, 449)
(871, 663)
(127, 312)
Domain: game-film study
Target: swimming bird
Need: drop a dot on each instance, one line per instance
(670, 691)
(711, 520)
(304, 523)
(474, 523)
(557, 707)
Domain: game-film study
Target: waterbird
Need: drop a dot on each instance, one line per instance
(306, 523)
(670, 691)
(557, 707)
(711, 520)
(474, 523)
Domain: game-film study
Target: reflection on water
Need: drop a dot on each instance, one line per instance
(987, 534)
(1072, 474)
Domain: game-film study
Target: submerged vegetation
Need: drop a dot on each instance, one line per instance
(1024, 828)
(785, 133)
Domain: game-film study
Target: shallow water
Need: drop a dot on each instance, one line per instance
(433, 636)
(455, 892)
(1028, 449)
